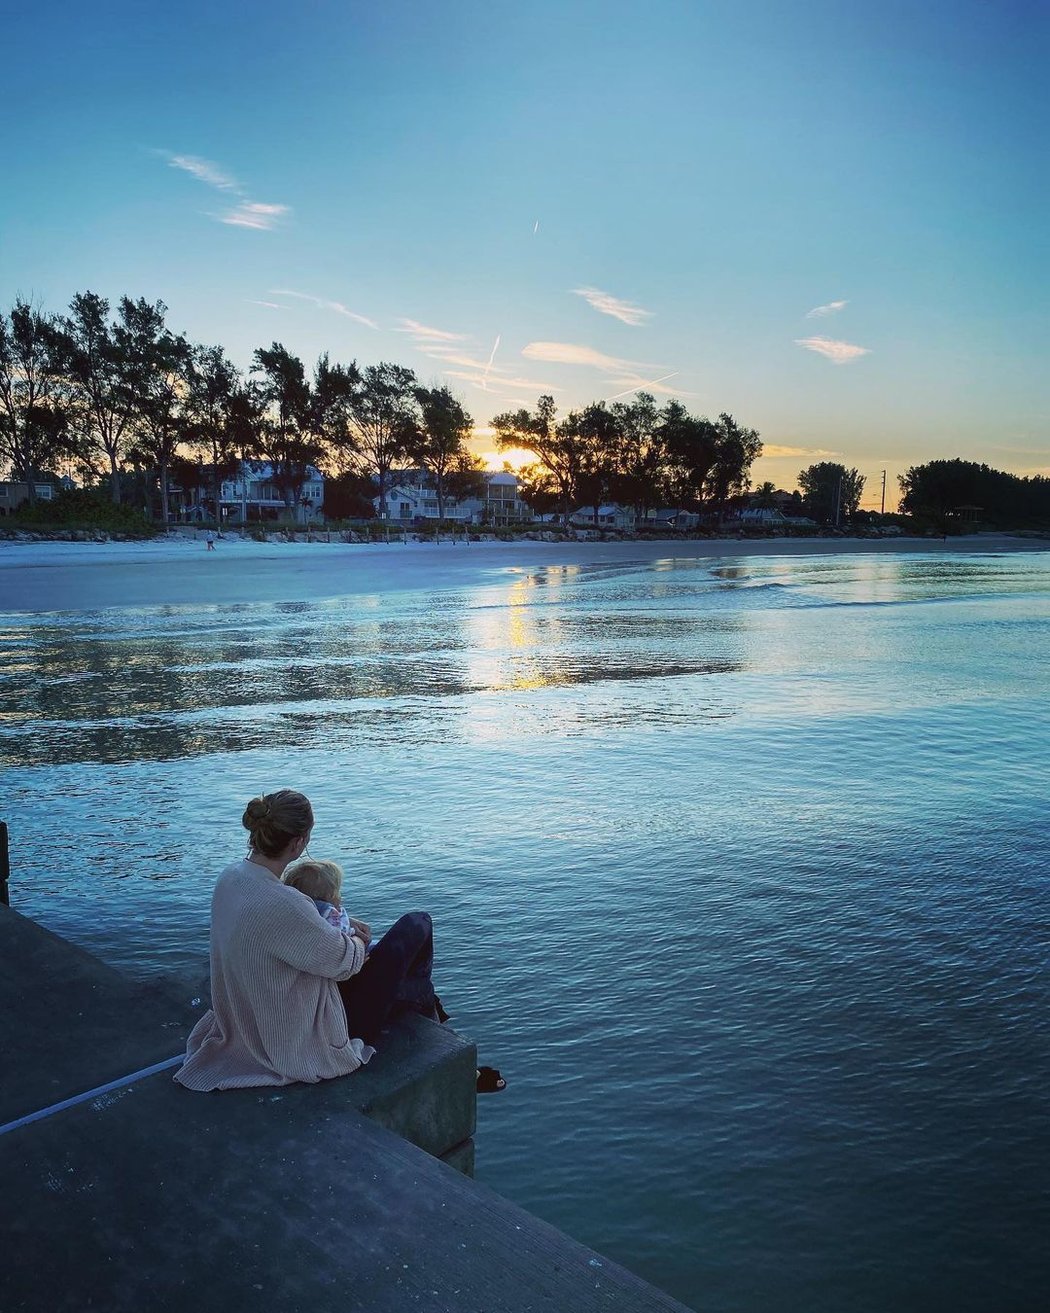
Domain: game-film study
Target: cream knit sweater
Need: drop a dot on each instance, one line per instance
(276, 1014)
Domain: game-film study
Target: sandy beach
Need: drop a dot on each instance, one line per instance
(62, 576)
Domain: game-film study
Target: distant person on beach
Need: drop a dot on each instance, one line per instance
(295, 998)
(209, 538)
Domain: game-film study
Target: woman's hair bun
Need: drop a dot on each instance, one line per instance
(276, 818)
(255, 813)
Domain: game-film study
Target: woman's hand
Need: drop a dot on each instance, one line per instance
(361, 929)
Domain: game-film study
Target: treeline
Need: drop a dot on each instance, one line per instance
(113, 391)
(946, 493)
(116, 391)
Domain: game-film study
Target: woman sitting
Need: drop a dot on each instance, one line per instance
(294, 998)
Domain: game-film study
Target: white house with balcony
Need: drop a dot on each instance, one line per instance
(253, 494)
(412, 498)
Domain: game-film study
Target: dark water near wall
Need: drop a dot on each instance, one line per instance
(739, 872)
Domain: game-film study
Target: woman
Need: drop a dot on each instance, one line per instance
(280, 973)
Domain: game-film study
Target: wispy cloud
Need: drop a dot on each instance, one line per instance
(424, 333)
(839, 353)
(254, 214)
(832, 308)
(570, 353)
(321, 303)
(246, 213)
(456, 356)
(772, 449)
(205, 171)
(270, 305)
(628, 374)
(606, 304)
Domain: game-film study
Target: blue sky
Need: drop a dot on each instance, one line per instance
(825, 218)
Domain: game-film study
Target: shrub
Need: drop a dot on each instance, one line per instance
(76, 508)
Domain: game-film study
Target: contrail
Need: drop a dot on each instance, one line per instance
(492, 357)
(535, 227)
(652, 383)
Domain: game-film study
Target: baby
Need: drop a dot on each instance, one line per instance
(323, 882)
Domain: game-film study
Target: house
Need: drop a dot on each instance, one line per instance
(765, 517)
(502, 504)
(409, 502)
(254, 494)
(413, 499)
(15, 494)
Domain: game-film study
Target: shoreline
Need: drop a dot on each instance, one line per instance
(45, 576)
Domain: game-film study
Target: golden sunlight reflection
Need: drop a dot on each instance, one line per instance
(507, 650)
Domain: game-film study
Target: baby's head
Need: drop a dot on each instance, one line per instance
(318, 880)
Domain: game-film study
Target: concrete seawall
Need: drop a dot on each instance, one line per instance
(324, 1197)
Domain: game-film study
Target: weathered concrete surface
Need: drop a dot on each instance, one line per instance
(157, 1198)
(421, 1085)
(69, 1023)
(279, 1199)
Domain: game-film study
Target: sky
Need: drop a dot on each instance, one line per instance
(827, 219)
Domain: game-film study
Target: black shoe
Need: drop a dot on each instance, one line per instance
(490, 1081)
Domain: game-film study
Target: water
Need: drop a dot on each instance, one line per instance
(738, 870)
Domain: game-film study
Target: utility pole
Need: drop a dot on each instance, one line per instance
(883, 510)
(838, 500)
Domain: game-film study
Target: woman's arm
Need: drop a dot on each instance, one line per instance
(307, 942)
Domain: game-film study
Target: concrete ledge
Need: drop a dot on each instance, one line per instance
(69, 1023)
(288, 1198)
(421, 1085)
(75, 1023)
(267, 1199)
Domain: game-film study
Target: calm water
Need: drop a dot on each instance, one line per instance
(738, 870)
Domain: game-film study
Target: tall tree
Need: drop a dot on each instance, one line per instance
(34, 411)
(691, 446)
(214, 384)
(438, 443)
(288, 440)
(556, 449)
(832, 492)
(591, 436)
(328, 411)
(736, 450)
(382, 421)
(165, 413)
(110, 364)
(641, 458)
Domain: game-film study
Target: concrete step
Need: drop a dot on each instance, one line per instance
(155, 1197)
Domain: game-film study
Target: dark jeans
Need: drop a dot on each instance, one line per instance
(395, 978)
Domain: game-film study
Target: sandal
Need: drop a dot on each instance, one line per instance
(490, 1081)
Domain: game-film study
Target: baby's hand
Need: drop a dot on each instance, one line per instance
(361, 929)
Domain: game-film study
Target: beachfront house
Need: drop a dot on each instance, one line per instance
(762, 517)
(254, 493)
(611, 516)
(14, 494)
(412, 499)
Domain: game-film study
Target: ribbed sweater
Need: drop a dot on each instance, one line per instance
(276, 1014)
